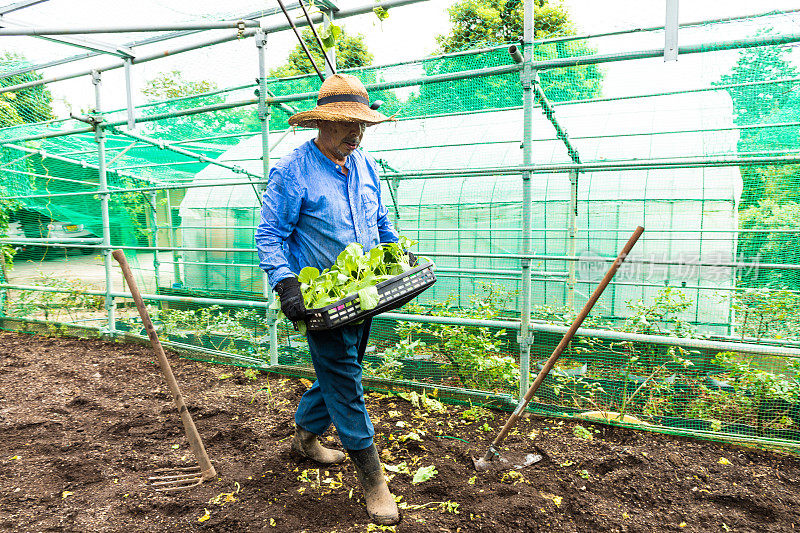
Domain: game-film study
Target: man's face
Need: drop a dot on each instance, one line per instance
(337, 140)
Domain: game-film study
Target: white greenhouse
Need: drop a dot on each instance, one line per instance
(689, 214)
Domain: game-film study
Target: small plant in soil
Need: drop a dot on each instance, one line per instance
(472, 356)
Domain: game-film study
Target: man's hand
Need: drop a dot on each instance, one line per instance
(291, 299)
(412, 259)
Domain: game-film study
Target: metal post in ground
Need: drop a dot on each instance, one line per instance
(525, 338)
(177, 258)
(572, 225)
(99, 137)
(154, 216)
(263, 117)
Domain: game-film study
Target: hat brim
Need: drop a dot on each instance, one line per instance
(339, 112)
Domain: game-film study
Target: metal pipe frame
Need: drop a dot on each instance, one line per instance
(200, 157)
(659, 28)
(550, 113)
(611, 335)
(662, 340)
(263, 117)
(64, 30)
(195, 184)
(22, 4)
(604, 230)
(736, 265)
(527, 80)
(137, 43)
(342, 13)
(153, 297)
(659, 52)
(598, 166)
(526, 170)
(80, 42)
(103, 192)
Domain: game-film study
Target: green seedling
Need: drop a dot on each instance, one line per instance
(424, 474)
(582, 433)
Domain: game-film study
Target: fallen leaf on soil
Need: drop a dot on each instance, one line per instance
(205, 516)
(555, 499)
(402, 468)
(424, 474)
(723, 461)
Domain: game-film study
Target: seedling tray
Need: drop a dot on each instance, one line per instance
(392, 294)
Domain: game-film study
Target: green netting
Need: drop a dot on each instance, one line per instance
(718, 264)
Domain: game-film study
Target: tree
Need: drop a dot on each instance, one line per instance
(482, 23)
(162, 91)
(763, 63)
(765, 104)
(477, 22)
(769, 245)
(33, 104)
(351, 52)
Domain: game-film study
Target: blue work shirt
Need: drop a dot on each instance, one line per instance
(312, 211)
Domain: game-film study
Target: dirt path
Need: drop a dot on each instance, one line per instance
(82, 422)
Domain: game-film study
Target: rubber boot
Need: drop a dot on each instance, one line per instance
(381, 506)
(307, 445)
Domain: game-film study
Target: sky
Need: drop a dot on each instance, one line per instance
(408, 33)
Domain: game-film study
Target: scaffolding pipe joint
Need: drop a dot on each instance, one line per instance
(525, 342)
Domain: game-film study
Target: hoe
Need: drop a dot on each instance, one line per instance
(485, 462)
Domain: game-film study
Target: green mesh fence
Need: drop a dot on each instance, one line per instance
(698, 332)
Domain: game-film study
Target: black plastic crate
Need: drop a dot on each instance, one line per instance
(393, 293)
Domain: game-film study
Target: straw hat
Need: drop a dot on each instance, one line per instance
(342, 98)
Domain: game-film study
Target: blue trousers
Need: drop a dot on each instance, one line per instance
(337, 396)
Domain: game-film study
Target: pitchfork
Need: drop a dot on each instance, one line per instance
(180, 478)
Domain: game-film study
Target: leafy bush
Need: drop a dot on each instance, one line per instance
(473, 356)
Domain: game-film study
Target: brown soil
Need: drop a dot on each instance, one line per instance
(83, 422)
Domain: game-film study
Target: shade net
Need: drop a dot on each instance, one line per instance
(697, 333)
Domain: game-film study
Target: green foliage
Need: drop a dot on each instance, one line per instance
(772, 245)
(767, 313)
(54, 306)
(764, 104)
(351, 52)
(33, 104)
(355, 272)
(582, 433)
(477, 24)
(162, 92)
(762, 398)
(635, 377)
(214, 327)
(661, 316)
(751, 104)
(172, 84)
(391, 362)
(472, 355)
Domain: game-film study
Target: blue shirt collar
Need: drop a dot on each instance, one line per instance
(326, 160)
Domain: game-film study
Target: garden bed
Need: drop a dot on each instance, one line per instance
(83, 422)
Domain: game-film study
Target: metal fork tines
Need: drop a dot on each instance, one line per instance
(172, 479)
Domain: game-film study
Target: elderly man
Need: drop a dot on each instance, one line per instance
(323, 196)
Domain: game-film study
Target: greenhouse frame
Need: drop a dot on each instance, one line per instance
(519, 187)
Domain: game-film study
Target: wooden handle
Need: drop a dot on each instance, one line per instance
(564, 343)
(195, 443)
